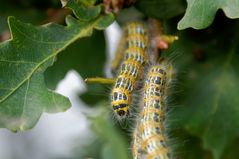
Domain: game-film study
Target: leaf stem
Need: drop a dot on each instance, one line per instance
(99, 80)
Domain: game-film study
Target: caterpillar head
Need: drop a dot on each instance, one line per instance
(122, 113)
(120, 103)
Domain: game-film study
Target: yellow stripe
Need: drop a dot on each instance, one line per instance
(155, 137)
(145, 126)
(152, 110)
(160, 152)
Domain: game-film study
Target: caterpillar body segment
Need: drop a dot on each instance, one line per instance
(138, 28)
(133, 32)
(150, 125)
(121, 93)
(137, 40)
(153, 140)
(130, 69)
(120, 99)
(136, 54)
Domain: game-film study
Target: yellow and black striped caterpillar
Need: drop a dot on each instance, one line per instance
(131, 68)
(149, 134)
(136, 51)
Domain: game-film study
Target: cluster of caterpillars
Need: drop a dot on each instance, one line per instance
(134, 63)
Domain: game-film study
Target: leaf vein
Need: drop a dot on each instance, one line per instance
(54, 100)
(26, 62)
(25, 98)
(28, 77)
(38, 41)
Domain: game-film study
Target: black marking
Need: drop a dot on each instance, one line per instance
(123, 67)
(156, 117)
(161, 71)
(120, 96)
(115, 107)
(157, 80)
(121, 112)
(115, 95)
(157, 93)
(156, 105)
(123, 105)
(158, 131)
(124, 97)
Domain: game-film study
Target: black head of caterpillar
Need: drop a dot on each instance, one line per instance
(121, 94)
(120, 102)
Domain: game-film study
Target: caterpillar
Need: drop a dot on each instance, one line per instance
(149, 136)
(131, 68)
(136, 34)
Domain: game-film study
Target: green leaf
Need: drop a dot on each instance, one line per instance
(24, 58)
(232, 150)
(82, 11)
(34, 16)
(206, 89)
(211, 109)
(104, 22)
(80, 56)
(200, 13)
(83, 58)
(164, 9)
(215, 113)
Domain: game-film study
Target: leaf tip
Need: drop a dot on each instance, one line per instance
(181, 25)
(10, 18)
(10, 21)
(22, 127)
(14, 130)
(105, 21)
